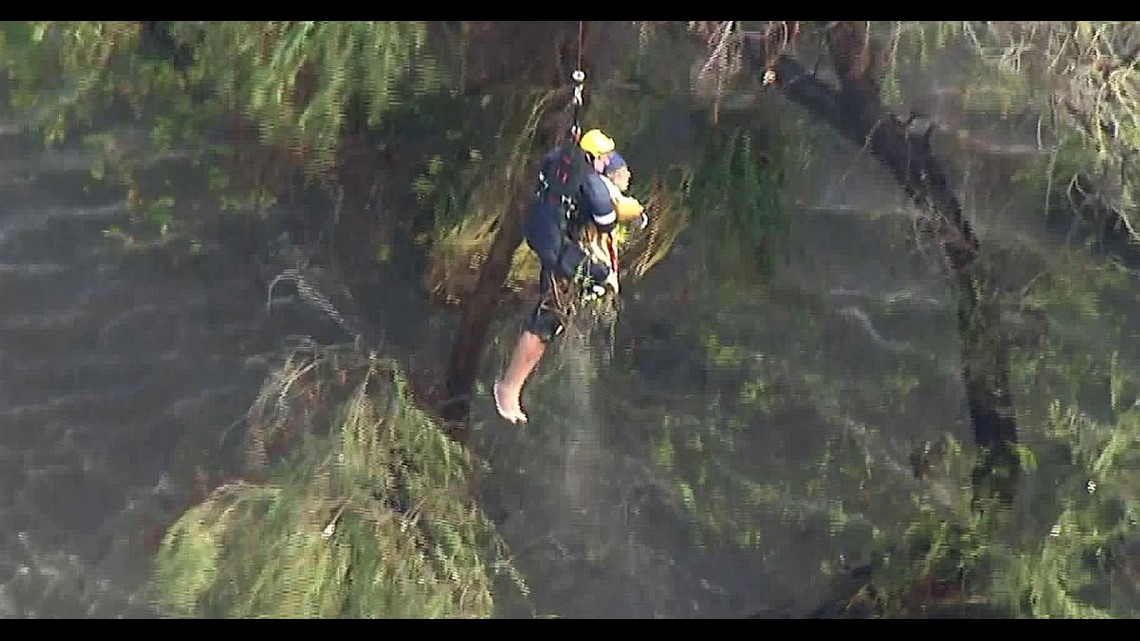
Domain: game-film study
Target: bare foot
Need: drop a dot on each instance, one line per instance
(508, 407)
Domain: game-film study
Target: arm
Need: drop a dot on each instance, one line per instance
(596, 197)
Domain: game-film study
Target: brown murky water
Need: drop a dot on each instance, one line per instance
(121, 383)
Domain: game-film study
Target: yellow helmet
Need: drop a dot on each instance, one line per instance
(596, 142)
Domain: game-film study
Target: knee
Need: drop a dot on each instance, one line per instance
(544, 323)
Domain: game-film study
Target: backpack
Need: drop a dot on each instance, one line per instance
(552, 219)
(562, 173)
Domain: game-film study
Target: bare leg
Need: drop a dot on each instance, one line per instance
(508, 390)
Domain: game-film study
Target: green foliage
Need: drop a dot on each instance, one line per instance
(62, 74)
(1079, 79)
(469, 189)
(368, 516)
(297, 80)
(298, 83)
(735, 195)
(983, 554)
(1057, 569)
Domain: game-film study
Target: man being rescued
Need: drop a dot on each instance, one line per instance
(603, 246)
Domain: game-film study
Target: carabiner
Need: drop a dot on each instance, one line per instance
(579, 77)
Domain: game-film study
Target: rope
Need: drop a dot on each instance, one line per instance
(581, 27)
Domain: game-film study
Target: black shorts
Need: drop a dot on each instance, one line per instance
(552, 311)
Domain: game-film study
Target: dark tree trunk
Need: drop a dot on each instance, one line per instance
(554, 49)
(479, 307)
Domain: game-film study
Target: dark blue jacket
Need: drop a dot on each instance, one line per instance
(546, 236)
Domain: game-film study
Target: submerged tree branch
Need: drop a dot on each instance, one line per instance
(903, 147)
